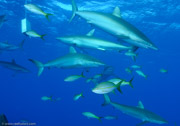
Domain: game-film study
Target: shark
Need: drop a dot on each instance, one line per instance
(5, 46)
(115, 25)
(70, 60)
(88, 41)
(14, 66)
(2, 20)
(138, 112)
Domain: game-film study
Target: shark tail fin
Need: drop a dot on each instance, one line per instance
(39, 65)
(22, 43)
(107, 100)
(47, 16)
(42, 36)
(74, 10)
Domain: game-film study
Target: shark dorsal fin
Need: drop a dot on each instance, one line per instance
(140, 105)
(13, 61)
(72, 50)
(90, 33)
(117, 12)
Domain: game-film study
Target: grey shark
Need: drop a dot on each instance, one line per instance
(138, 112)
(5, 46)
(71, 60)
(13, 66)
(88, 41)
(115, 25)
(2, 20)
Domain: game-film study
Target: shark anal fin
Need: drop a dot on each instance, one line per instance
(142, 123)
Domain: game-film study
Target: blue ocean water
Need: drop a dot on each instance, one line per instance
(21, 94)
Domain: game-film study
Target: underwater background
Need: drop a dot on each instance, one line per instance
(20, 95)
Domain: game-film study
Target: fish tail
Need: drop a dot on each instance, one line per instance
(107, 100)
(39, 65)
(74, 10)
(130, 82)
(47, 16)
(42, 36)
(22, 44)
(82, 74)
(118, 86)
(82, 95)
(99, 118)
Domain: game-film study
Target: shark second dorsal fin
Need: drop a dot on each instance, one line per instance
(13, 61)
(72, 50)
(117, 12)
(90, 33)
(140, 105)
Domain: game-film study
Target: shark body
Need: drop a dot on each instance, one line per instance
(115, 25)
(138, 112)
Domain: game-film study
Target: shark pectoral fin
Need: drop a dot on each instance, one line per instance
(117, 12)
(140, 105)
(90, 33)
(107, 100)
(142, 123)
(72, 50)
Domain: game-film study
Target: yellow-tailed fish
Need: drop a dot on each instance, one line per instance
(136, 67)
(140, 73)
(106, 87)
(124, 83)
(73, 78)
(35, 34)
(163, 70)
(91, 115)
(47, 98)
(37, 10)
(110, 117)
(128, 70)
(76, 97)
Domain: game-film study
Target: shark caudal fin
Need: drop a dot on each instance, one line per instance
(74, 10)
(39, 65)
(107, 100)
(22, 44)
